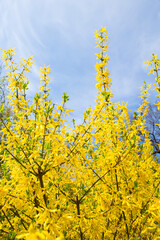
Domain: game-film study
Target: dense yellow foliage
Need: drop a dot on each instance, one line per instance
(98, 180)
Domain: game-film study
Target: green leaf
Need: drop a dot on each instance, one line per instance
(135, 184)
(1, 107)
(65, 97)
(157, 192)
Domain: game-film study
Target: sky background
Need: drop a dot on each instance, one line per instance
(60, 33)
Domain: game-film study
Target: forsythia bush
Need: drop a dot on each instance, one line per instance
(98, 180)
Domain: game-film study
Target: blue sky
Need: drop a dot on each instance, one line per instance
(60, 33)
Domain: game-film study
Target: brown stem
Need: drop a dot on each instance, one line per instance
(117, 185)
(71, 199)
(22, 220)
(97, 181)
(8, 220)
(17, 160)
(78, 213)
(4, 232)
(126, 224)
(115, 234)
(40, 177)
(18, 144)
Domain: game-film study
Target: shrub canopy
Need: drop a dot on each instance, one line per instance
(98, 180)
